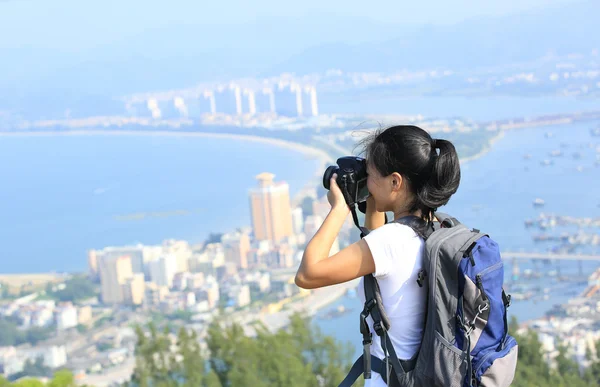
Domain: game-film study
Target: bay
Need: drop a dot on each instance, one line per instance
(63, 195)
(478, 108)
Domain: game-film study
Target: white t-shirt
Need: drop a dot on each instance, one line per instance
(398, 254)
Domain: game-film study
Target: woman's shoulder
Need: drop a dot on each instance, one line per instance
(393, 235)
(391, 242)
(396, 230)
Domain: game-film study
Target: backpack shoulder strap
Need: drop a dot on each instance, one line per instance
(446, 220)
(381, 325)
(419, 226)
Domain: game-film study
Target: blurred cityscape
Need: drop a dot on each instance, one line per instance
(538, 105)
(246, 274)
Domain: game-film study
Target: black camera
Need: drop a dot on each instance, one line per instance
(351, 178)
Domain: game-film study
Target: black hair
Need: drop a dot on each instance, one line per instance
(409, 150)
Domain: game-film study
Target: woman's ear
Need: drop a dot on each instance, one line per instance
(396, 182)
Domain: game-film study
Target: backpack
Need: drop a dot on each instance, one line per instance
(465, 339)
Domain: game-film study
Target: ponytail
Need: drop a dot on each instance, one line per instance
(443, 181)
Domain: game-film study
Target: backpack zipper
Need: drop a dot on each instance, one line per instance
(433, 262)
(490, 268)
(479, 282)
(491, 352)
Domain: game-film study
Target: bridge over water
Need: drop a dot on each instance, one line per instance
(550, 256)
(519, 256)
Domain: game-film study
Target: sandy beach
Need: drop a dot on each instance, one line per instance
(307, 150)
(31, 281)
(485, 149)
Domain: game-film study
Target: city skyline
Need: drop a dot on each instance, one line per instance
(165, 174)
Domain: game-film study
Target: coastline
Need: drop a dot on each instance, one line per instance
(485, 149)
(309, 306)
(306, 149)
(309, 151)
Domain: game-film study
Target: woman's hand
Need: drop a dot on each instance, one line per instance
(335, 196)
(371, 207)
(373, 218)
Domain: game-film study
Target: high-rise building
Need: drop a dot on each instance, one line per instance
(135, 254)
(236, 247)
(154, 294)
(240, 295)
(270, 208)
(297, 220)
(182, 252)
(114, 271)
(163, 270)
(134, 289)
(283, 256)
(93, 263)
(312, 224)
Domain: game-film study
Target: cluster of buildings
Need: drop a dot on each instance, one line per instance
(179, 276)
(247, 272)
(47, 314)
(44, 314)
(285, 96)
(574, 325)
(13, 359)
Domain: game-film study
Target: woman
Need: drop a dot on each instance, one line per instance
(409, 173)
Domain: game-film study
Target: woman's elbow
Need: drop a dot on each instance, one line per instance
(303, 281)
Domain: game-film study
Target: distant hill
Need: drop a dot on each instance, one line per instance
(473, 43)
(43, 82)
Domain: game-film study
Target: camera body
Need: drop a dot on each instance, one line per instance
(351, 178)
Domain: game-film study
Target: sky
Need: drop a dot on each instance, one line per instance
(117, 47)
(76, 24)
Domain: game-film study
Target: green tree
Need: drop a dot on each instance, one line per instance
(212, 380)
(76, 288)
(28, 383)
(297, 356)
(533, 370)
(62, 378)
(36, 334)
(9, 334)
(192, 363)
(36, 368)
(153, 359)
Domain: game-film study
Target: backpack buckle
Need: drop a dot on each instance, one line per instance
(421, 277)
(370, 304)
(379, 329)
(506, 299)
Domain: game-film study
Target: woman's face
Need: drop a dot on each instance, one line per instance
(379, 188)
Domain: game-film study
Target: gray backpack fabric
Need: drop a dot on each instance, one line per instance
(465, 340)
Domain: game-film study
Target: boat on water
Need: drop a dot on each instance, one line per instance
(538, 202)
(336, 312)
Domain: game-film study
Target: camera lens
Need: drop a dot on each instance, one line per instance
(328, 174)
